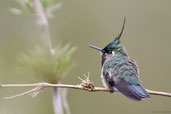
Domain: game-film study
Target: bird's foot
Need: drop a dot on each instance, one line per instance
(112, 90)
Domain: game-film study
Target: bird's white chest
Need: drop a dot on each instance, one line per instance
(104, 80)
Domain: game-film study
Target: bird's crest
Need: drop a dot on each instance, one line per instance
(112, 45)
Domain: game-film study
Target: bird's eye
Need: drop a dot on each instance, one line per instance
(111, 52)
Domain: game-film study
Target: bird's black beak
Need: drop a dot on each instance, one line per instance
(97, 48)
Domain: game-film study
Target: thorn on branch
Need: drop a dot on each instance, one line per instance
(87, 83)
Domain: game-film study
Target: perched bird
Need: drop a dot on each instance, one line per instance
(119, 71)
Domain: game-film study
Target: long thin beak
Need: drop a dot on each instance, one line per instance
(94, 47)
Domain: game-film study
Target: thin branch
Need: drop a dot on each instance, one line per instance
(81, 87)
(158, 93)
(18, 95)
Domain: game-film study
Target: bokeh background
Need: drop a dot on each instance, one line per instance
(146, 37)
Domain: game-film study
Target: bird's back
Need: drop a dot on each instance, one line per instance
(121, 72)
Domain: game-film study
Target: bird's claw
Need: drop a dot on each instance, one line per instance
(111, 91)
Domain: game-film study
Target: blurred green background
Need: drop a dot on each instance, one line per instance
(146, 37)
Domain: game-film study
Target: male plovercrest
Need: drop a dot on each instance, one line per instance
(119, 71)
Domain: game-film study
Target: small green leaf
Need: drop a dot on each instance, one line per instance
(17, 11)
(45, 3)
(28, 4)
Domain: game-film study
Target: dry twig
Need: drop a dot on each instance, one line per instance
(85, 85)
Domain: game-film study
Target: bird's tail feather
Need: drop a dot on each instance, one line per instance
(138, 91)
(135, 92)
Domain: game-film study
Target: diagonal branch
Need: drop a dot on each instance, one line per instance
(42, 23)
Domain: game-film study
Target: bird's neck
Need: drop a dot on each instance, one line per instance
(119, 51)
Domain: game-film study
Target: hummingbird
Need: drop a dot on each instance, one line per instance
(119, 72)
